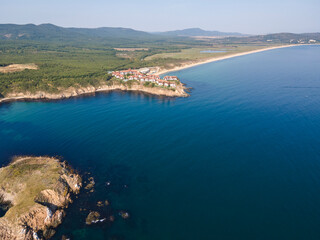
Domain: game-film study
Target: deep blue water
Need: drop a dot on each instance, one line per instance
(238, 159)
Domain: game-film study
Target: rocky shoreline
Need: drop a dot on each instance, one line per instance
(34, 191)
(179, 91)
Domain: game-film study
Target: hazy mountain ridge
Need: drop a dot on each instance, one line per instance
(52, 32)
(104, 32)
(35, 32)
(192, 32)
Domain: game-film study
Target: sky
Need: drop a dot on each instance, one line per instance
(245, 16)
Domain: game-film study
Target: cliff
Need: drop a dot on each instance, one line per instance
(179, 91)
(34, 194)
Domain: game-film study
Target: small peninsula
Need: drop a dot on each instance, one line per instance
(34, 192)
(124, 80)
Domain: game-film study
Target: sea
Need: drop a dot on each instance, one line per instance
(238, 159)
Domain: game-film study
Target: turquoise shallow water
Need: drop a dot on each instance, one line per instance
(238, 159)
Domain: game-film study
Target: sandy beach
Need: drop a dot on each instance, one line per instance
(164, 71)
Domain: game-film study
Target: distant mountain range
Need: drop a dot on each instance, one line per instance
(193, 32)
(52, 32)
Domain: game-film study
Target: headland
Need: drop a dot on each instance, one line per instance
(34, 192)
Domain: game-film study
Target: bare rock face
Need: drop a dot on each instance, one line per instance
(37, 190)
(179, 91)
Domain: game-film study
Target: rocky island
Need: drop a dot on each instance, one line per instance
(34, 192)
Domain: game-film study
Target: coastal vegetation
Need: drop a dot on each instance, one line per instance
(70, 57)
(202, 53)
(61, 66)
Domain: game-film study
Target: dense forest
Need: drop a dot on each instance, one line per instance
(63, 65)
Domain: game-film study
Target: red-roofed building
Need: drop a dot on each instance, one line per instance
(167, 81)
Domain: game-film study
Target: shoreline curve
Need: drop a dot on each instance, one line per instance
(216, 59)
(81, 91)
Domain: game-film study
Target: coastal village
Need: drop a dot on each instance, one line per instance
(143, 76)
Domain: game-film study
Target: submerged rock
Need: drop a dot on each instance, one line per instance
(38, 189)
(111, 218)
(64, 237)
(124, 214)
(90, 185)
(100, 204)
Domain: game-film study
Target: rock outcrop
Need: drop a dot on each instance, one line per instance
(38, 190)
(93, 217)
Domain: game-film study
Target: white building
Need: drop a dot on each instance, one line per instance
(144, 70)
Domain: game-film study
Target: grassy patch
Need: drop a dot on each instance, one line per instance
(197, 54)
(26, 179)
